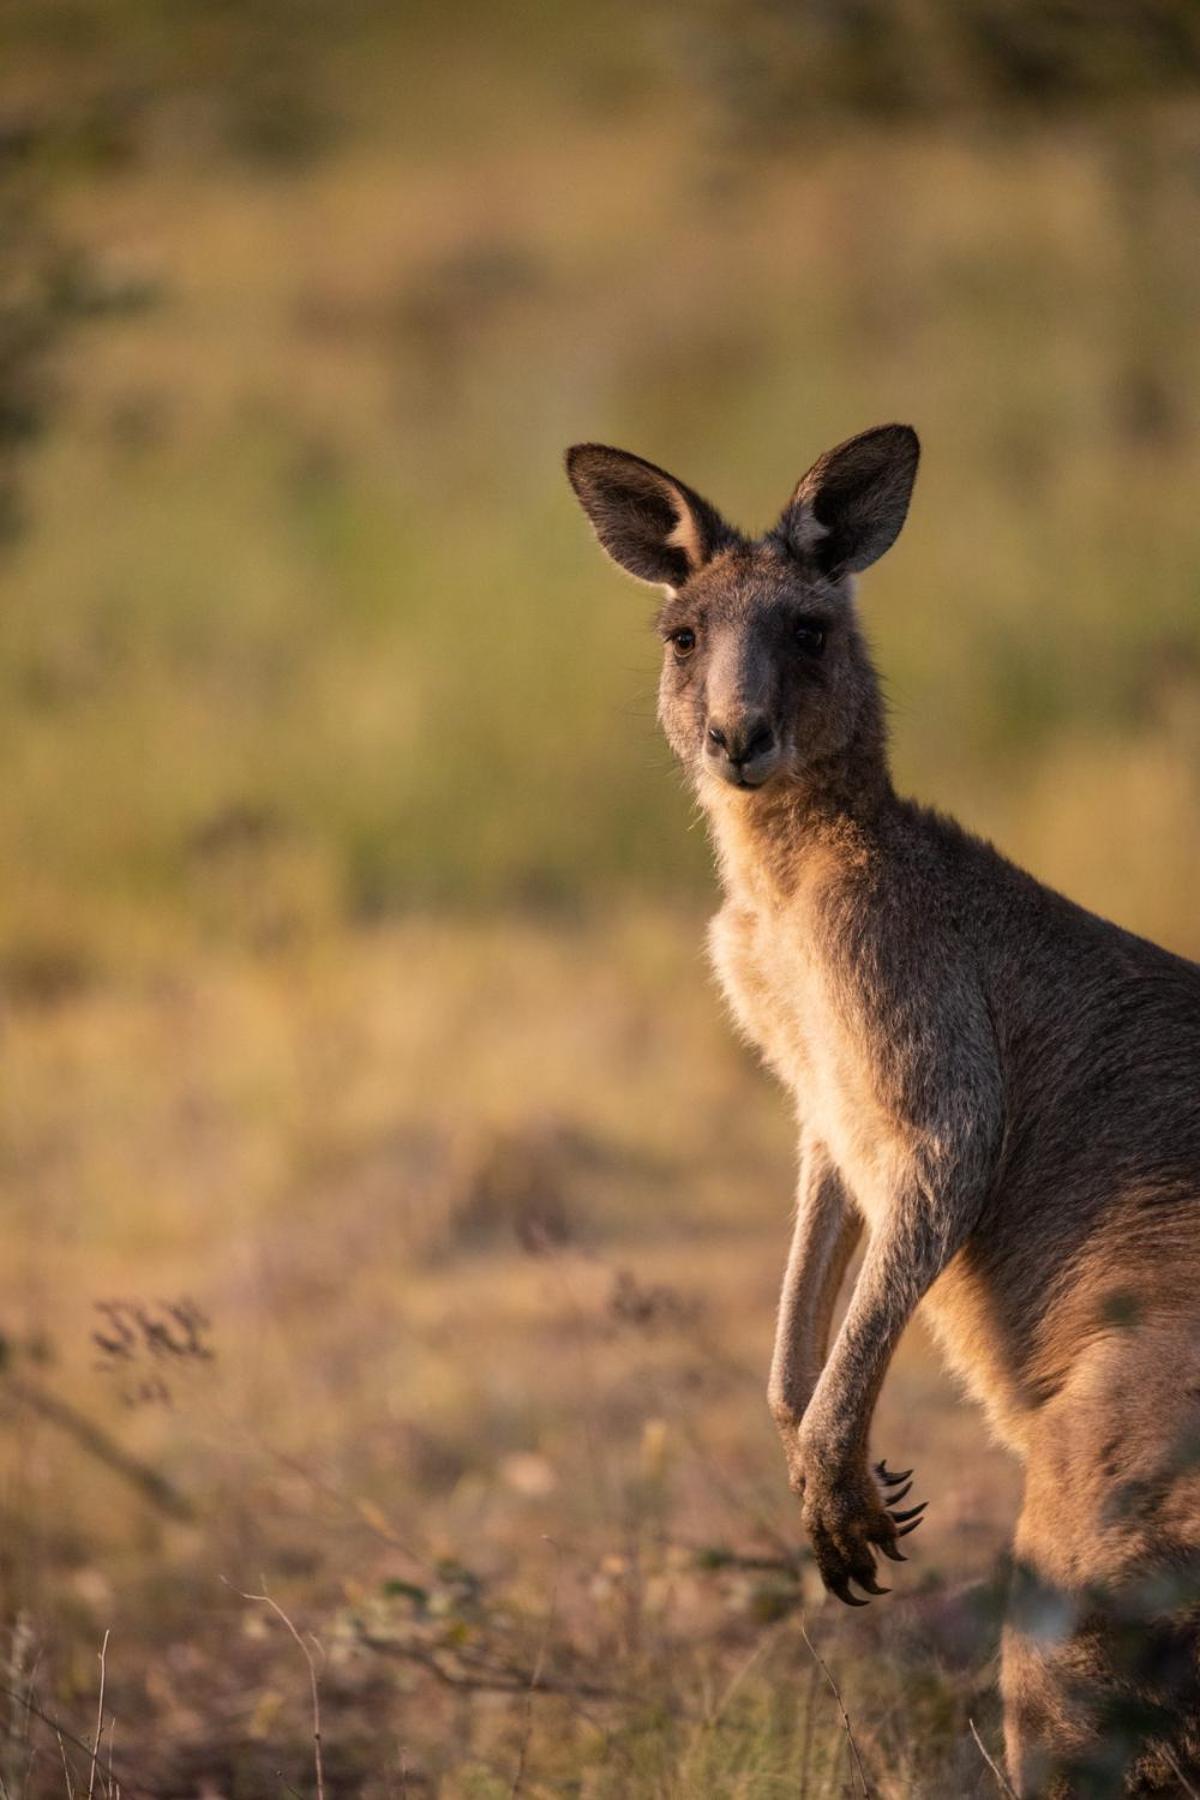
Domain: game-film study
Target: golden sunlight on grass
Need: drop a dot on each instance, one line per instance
(470, 1367)
(393, 1225)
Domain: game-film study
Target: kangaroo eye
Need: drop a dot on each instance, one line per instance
(810, 637)
(683, 641)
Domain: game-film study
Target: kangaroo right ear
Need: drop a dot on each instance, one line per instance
(652, 525)
(850, 506)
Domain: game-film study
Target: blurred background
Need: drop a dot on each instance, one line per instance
(391, 1225)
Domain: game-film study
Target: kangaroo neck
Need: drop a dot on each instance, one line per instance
(832, 816)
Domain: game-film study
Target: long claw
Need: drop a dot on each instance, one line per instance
(885, 1475)
(891, 1550)
(869, 1585)
(895, 1499)
(914, 1512)
(842, 1590)
(905, 1529)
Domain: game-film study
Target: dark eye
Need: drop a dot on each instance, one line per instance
(809, 636)
(683, 641)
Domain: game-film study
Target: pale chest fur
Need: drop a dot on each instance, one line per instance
(805, 1020)
(812, 1030)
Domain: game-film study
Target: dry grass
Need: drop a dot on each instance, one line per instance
(477, 1231)
(392, 1226)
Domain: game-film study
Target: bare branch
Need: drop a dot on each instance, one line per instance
(97, 1443)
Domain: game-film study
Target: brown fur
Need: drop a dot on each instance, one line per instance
(1002, 1088)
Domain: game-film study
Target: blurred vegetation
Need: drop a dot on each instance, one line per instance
(377, 1278)
(304, 627)
(781, 65)
(390, 1215)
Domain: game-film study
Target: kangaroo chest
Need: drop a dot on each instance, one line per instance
(807, 1021)
(815, 1026)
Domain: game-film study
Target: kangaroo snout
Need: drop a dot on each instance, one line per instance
(742, 750)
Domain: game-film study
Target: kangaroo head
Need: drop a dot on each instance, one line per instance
(765, 673)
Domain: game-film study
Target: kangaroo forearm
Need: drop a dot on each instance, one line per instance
(825, 1301)
(905, 1257)
(827, 1229)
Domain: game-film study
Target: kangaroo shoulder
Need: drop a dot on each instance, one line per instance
(906, 980)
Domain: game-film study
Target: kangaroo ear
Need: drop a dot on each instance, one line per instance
(850, 506)
(651, 524)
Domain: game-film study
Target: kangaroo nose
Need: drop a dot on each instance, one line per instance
(742, 742)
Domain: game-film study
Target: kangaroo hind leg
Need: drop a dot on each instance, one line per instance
(1101, 1661)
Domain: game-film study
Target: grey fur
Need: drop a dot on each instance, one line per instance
(1003, 1088)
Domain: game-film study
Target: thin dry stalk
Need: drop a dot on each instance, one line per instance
(764, 1644)
(364, 1512)
(20, 1674)
(266, 1599)
(744, 1504)
(62, 1751)
(833, 1749)
(714, 1706)
(810, 1713)
(841, 1705)
(132, 1785)
(471, 1674)
(535, 1679)
(1001, 1779)
(1176, 1770)
(99, 1717)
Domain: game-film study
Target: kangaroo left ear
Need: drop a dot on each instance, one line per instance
(653, 525)
(850, 506)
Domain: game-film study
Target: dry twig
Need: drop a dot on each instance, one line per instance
(266, 1599)
(1001, 1780)
(99, 1718)
(837, 1694)
(474, 1674)
(62, 1751)
(1175, 1768)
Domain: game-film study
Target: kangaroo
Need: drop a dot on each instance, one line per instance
(999, 1088)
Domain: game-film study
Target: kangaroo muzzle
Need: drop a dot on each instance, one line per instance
(742, 750)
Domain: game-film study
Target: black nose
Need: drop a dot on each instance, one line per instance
(750, 737)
